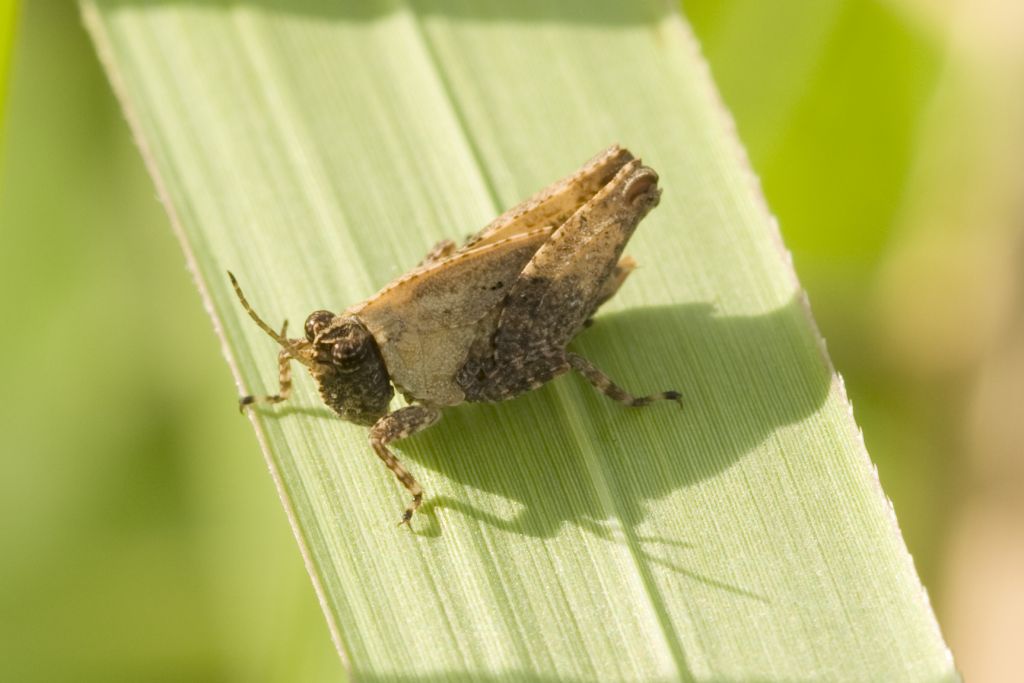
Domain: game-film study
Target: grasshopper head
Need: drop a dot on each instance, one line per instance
(343, 358)
(348, 367)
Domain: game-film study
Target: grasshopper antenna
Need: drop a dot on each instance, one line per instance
(277, 336)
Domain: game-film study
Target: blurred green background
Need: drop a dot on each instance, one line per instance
(142, 538)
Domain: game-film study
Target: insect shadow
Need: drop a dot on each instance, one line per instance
(742, 378)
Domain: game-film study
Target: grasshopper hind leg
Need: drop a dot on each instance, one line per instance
(609, 388)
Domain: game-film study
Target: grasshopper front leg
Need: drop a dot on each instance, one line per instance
(398, 425)
(284, 377)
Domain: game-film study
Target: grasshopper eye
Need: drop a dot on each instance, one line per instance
(316, 322)
(349, 354)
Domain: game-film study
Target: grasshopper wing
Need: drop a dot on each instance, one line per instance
(553, 205)
(426, 321)
(572, 272)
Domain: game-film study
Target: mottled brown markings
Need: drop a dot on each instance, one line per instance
(427, 321)
(486, 321)
(350, 372)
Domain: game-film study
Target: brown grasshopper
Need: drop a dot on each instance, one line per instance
(486, 321)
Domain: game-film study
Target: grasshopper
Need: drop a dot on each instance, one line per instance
(486, 321)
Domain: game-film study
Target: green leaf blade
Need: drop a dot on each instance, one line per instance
(318, 152)
(8, 19)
